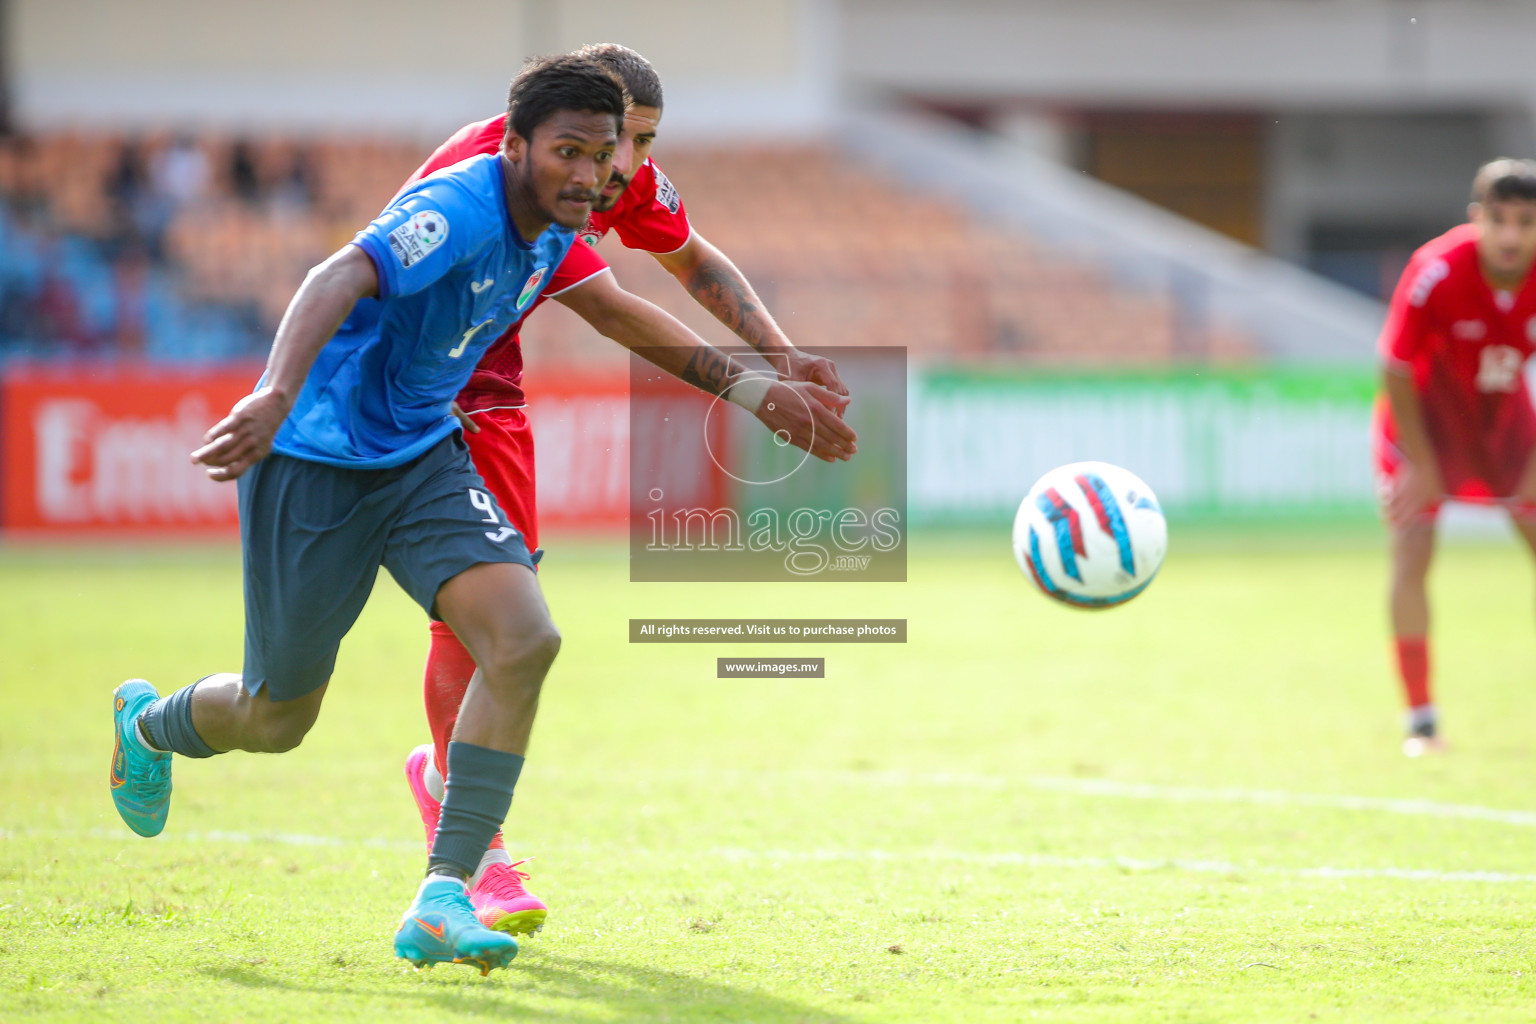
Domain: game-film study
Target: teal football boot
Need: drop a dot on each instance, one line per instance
(141, 778)
(441, 928)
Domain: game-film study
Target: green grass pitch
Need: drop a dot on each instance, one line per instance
(1189, 809)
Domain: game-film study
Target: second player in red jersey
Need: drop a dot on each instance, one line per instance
(1463, 343)
(1455, 419)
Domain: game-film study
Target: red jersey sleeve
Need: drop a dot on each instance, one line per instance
(1409, 321)
(581, 264)
(471, 140)
(651, 214)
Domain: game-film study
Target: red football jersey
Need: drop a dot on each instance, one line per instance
(649, 215)
(1465, 345)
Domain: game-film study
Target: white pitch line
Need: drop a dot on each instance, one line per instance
(743, 855)
(1272, 797)
(1143, 791)
(1041, 860)
(233, 838)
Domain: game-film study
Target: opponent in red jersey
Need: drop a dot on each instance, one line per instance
(1455, 419)
(643, 207)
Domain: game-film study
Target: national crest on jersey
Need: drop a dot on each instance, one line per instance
(453, 275)
(532, 287)
(1469, 330)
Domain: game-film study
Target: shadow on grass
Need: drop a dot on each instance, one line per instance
(554, 987)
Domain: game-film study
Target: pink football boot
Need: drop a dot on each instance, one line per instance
(415, 776)
(498, 896)
(501, 902)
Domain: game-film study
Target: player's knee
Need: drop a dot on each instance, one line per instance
(521, 660)
(281, 739)
(280, 727)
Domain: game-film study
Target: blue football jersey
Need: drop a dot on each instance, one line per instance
(453, 275)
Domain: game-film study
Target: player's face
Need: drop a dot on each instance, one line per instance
(1507, 242)
(640, 124)
(564, 167)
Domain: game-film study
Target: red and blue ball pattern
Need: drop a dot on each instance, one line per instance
(1090, 535)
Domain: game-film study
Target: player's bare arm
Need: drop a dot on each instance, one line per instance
(720, 287)
(808, 413)
(244, 437)
(1421, 485)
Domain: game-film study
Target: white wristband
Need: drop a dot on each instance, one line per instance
(749, 391)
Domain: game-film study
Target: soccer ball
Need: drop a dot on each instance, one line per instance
(1091, 535)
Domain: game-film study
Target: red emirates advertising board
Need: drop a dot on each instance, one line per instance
(102, 450)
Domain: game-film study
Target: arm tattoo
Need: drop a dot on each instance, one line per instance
(708, 369)
(721, 289)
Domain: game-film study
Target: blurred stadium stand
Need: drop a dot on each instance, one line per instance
(127, 246)
(1330, 135)
(1210, 198)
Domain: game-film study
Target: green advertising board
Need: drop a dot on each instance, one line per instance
(1219, 445)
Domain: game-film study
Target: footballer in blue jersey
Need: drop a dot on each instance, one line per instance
(347, 460)
(453, 272)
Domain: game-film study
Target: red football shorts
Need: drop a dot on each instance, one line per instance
(1486, 477)
(503, 453)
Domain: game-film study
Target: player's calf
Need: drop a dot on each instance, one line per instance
(229, 717)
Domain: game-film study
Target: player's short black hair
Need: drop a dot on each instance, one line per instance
(547, 85)
(1504, 179)
(640, 79)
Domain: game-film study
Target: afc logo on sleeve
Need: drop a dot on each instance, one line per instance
(412, 241)
(666, 192)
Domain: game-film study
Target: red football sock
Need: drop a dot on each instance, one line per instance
(1413, 667)
(449, 668)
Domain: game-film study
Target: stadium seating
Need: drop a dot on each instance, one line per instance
(840, 253)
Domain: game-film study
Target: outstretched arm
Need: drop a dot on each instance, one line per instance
(244, 437)
(716, 284)
(809, 413)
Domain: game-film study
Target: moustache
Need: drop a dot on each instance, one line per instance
(579, 195)
(622, 181)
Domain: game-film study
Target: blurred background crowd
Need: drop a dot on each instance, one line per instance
(169, 246)
(168, 175)
(1211, 199)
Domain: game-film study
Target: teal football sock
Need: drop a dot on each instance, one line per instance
(167, 724)
(479, 794)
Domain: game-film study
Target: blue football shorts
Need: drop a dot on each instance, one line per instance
(314, 535)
